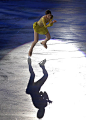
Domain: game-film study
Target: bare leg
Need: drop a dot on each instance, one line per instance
(34, 43)
(46, 39)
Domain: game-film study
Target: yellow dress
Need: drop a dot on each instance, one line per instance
(40, 27)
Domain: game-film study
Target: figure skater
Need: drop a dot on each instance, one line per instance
(40, 99)
(40, 27)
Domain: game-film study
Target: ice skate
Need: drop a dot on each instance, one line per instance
(42, 62)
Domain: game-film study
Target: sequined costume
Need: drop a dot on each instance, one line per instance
(41, 27)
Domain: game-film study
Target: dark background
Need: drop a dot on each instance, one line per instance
(17, 18)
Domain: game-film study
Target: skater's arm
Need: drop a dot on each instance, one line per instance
(44, 22)
(47, 97)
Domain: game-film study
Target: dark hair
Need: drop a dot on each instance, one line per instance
(40, 113)
(47, 12)
(51, 16)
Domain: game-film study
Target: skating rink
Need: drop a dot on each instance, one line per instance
(66, 83)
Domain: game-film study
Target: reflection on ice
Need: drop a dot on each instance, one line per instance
(66, 83)
(66, 67)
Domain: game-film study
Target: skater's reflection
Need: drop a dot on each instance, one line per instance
(40, 99)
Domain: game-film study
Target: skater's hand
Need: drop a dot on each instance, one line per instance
(50, 101)
(53, 21)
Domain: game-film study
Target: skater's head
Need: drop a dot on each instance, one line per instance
(40, 113)
(48, 14)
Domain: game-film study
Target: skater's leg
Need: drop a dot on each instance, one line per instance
(32, 77)
(41, 81)
(34, 43)
(32, 74)
(46, 39)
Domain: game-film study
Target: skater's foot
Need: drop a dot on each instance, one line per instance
(44, 44)
(42, 62)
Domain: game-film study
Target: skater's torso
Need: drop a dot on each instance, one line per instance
(43, 21)
(38, 100)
